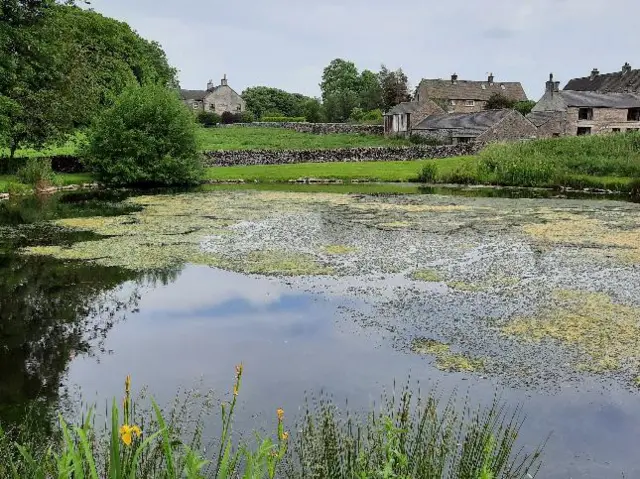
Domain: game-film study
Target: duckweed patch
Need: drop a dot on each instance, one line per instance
(446, 360)
(427, 275)
(606, 334)
(467, 287)
(271, 263)
(338, 249)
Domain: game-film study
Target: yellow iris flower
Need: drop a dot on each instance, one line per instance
(127, 432)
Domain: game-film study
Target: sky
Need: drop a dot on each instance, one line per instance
(287, 43)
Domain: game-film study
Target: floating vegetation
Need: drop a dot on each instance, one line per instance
(394, 225)
(446, 360)
(427, 275)
(338, 249)
(271, 263)
(467, 287)
(607, 334)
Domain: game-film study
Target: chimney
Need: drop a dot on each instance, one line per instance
(552, 86)
(210, 85)
(223, 82)
(454, 78)
(490, 79)
(594, 73)
(626, 68)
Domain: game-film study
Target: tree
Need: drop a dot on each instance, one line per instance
(395, 87)
(339, 76)
(61, 65)
(524, 106)
(497, 101)
(370, 91)
(146, 137)
(339, 105)
(265, 101)
(312, 110)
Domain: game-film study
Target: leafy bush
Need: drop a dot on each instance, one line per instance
(358, 115)
(498, 101)
(283, 119)
(524, 106)
(37, 172)
(247, 117)
(146, 137)
(428, 173)
(229, 118)
(208, 118)
(464, 174)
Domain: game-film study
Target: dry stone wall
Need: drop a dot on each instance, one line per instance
(317, 128)
(284, 157)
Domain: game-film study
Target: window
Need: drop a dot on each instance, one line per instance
(195, 106)
(556, 135)
(212, 106)
(585, 114)
(615, 130)
(634, 114)
(461, 139)
(584, 130)
(238, 108)
(632, 130)
(470, 103)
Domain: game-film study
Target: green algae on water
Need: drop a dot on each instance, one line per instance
(447, 360)
(427, 275)
(338, 249)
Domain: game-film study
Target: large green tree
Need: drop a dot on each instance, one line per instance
(339, 76)
(59, 65)
(395, 87)
(268, 101)
(370, 91)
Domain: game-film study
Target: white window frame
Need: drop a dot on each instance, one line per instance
(470, 103)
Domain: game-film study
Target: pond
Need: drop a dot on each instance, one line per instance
(535, 299)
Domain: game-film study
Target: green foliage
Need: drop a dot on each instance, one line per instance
(63, 64)
(425, 140)
(395, 87)
(340, 76)
(409, 438)
(147, 137)
(370, 91)
(312, 110)
(283, 119)
(498, 101)
(228, 118)
(428, 173)
(373, 117)
(208, 118)
(339, 104)
(247, 117)
(524, 107)
(266, 101)
(36, 172)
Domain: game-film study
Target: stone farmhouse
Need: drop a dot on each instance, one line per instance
(217, 99)
(608, 103)
(466, 96)
(400, 118)
(484, 127)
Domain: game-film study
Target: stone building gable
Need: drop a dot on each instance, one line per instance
(512, 127)
(216, 99)
(625, 81)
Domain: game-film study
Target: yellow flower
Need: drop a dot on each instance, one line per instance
(285, 435)
(239, 368)
(235, 389)
(280, 413)
(127, 432)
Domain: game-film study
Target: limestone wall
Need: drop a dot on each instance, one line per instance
(281, 157)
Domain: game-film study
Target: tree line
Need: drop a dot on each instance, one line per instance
(347, 94)
(60, 65)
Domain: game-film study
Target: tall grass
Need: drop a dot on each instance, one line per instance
(558, 161)
(411, 437)
(406, 437)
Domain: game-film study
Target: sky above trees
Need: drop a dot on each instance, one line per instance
(288, 43)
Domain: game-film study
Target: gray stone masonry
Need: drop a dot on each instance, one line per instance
(282, 157)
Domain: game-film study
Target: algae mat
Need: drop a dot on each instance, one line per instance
(531, 290)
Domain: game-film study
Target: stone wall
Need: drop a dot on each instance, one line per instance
(513, 127)
(281, 157)
(317, 128)
(605, 120)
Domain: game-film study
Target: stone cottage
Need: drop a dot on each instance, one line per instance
(400, 118)
(467, 96)
(627, 80)
(217, 99)
(585, 112)
(484, 127)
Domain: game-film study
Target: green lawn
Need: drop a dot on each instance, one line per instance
(371, 171)
(242, 138)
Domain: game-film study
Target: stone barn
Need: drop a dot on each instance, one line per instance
(399, 119)
(483, 127)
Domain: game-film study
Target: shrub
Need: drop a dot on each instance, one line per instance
(283, 119)
(37, 172)
(358, 115)
(247, 117)
(464, 174)
(428, 173)
(146, 137)
(208, 118)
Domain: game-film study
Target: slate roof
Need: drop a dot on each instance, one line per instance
(539, 118)
(465, 124)
(470, 90)
(405, 107)
(589, 99)
(607, 82)
(193, 94)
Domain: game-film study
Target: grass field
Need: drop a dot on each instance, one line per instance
(280, 139)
